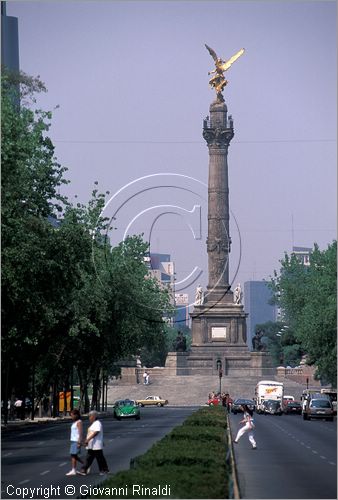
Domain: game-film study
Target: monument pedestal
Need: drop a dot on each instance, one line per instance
(219, 334)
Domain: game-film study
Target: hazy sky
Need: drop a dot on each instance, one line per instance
(132, 84)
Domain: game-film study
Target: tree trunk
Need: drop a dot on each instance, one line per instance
(33, 392)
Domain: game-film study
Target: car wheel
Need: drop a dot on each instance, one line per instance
(118, 418)
(137, 417)
(159, 404)
(304, 416)
(141, 405)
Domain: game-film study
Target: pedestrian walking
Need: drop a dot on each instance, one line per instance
(145, 375)
(75, 441)
(147, 379)
(247, 427)
(94, 445)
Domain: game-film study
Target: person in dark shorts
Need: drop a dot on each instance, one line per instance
(75, 441)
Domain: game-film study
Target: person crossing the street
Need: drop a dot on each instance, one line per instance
(75, 441)
(94, 444)
(248, 427)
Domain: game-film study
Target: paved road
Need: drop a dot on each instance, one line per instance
(38, 457)
(294, 458)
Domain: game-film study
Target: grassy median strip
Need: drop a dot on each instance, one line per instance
(189, 462)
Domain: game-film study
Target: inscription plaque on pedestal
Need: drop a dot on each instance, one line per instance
(218, 332)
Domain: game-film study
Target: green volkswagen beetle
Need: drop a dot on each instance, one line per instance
(125, 408)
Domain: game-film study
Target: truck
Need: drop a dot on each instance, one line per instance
(268, 389)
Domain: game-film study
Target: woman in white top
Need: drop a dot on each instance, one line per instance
(94, 445)
(248, 427)
(75, 441)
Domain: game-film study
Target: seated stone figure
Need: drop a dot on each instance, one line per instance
(181, 343)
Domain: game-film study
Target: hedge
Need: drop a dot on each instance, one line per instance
(191, 459)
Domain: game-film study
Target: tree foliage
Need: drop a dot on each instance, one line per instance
(307, 297)
(72, 305)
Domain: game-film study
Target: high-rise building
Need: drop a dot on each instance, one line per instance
(10, 50)
(257, 297)
(9, 40)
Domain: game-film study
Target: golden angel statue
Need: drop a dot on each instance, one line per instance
(218, 82)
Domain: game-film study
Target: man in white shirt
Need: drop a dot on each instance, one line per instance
(94, 445)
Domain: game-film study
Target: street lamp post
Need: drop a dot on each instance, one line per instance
(220, 374)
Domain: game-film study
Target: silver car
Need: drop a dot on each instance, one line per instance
(318, 408)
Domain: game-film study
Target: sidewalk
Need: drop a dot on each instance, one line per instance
(17, 424)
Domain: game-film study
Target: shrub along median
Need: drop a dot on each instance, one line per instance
(190, 460)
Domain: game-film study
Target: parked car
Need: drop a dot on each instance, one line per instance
(152, 401)
(318, 408)
(126, 408)
(272, 407)
(236, 406)
(293, 407)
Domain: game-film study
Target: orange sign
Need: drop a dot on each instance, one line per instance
(269, 390)
(62, 401)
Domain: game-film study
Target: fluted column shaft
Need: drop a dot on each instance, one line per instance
(218, 132)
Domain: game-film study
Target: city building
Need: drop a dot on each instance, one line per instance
(162, 268)
(257, 296)
(182, 309)
(9, 40)
(10, 50)
(302, 254)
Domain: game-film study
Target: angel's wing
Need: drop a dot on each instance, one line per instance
(212, 53)
(232, 59)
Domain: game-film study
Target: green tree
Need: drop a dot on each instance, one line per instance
(307, 296)
(30, 180)
(72, 305)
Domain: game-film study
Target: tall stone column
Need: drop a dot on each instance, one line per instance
(218, 132)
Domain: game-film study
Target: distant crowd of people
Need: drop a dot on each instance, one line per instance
(223, 398)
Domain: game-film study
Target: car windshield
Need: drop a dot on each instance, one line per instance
(320, 403)
(294, 404)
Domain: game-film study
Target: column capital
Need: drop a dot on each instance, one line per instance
(219, 137)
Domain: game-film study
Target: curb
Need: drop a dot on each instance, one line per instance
(234, 487)
(15, 426)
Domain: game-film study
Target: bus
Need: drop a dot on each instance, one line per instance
(268, 389)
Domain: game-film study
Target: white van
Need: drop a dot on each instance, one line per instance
(268, 389)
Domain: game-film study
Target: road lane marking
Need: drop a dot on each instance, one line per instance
(323, 457)
(40, 443)
(314, 451)
(63, 464)
(44, 472)
(7, 454)
(332, 463)
(309, 447)
(302, 443)
(24, 481)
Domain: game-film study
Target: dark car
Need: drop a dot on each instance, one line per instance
(293, 407)
(272, 407)
(236, 406)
